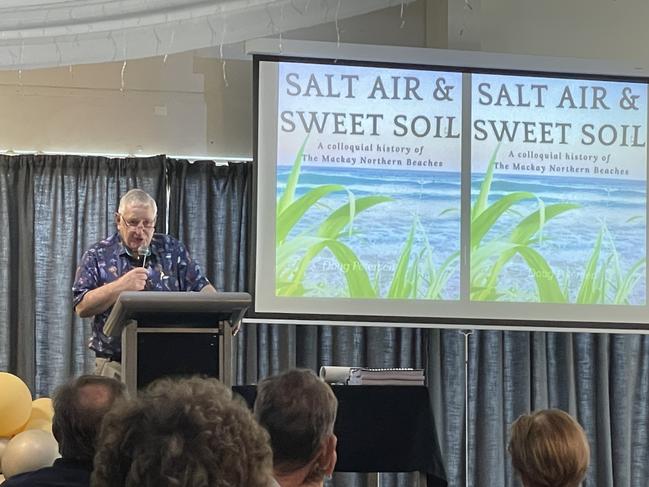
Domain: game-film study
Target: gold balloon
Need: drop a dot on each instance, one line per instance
(15, 404)
(42, 409)
(38, 424)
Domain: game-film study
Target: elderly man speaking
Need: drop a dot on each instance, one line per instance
(133, 259)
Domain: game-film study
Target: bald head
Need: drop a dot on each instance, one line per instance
(79, 407)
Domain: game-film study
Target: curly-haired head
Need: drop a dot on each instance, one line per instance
(182, 433)
(299, 411)
(549, 449)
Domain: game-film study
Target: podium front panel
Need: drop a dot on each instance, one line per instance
(161, 354)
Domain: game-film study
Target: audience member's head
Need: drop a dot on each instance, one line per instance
(299, 410)
(182, 433)
(549, 449)
(79, 407)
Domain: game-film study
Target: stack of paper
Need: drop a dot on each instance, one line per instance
(397, 377)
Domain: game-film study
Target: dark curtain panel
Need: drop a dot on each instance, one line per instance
(17, 325)
(61, 205)
(208, 211)
(282, 346)
(601, 379)
(445, 372)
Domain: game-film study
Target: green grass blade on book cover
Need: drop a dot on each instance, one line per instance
(442, 275)
(532, 224)
(523, 234)
(344, 216)
(546, 282)
(294, 254)
(485, 188)
(296, 210)
(487, 260)
(288, 195)
(483, 223)
(358, 282)
(584, 296)
(399, 279)
(635, 273)
(436, 279)
(331, 229)
(482, 285)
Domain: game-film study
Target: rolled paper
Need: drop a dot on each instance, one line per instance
(334, 374)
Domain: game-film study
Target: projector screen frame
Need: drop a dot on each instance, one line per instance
(463, 63)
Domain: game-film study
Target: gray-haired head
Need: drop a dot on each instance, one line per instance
(137, 197)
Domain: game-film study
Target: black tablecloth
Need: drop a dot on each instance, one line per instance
(383, 429)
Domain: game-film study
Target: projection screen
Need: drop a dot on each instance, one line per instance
(430, 187)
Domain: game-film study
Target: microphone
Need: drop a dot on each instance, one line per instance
(143, 252)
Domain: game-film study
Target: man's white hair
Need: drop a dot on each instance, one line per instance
(137, 197)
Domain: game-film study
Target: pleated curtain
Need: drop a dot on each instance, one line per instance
(52, 208)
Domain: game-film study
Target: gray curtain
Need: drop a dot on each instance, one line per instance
(54, 207)
(445, 371)
(209, 211)
(17, 277)
(601, 379)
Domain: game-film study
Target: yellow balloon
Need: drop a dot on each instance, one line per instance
(38, 424)
(42, 409)
(15, 404)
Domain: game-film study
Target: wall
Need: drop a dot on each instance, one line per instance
(190, 104)
(81, 109)
(592, 29)
(162, 109)
(183, 106)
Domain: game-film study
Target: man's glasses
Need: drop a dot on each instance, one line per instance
(136, 223)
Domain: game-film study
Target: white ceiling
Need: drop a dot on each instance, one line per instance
(47, 33)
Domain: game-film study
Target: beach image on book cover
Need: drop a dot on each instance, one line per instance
(368, 197)
(558, 190)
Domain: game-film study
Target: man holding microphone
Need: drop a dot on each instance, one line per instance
(133, 259)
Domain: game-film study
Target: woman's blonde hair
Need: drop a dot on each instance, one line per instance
(549, 449)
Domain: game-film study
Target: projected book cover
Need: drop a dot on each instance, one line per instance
(558, 191)
(368, 183)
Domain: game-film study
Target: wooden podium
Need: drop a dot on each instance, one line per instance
(176, 333)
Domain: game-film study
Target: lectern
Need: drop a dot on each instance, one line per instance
(176, 333)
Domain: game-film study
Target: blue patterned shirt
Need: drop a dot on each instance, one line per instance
(170, 269)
